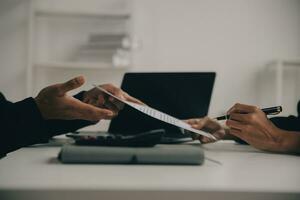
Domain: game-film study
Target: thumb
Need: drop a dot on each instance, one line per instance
(70, 85)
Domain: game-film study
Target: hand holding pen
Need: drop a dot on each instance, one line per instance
(251, 124)
(246, 122)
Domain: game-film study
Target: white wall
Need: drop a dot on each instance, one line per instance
(235, 38)
(13, 48)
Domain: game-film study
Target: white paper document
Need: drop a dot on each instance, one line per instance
(159, 115)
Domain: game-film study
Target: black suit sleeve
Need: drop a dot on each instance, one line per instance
(290, 123)
(57, 127)
(22, 124)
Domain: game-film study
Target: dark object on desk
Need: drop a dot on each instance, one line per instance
(180, 94)
(160, 154)
(146, 139)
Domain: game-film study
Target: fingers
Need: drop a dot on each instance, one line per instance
(120, 93)
(70, 85)
(205, 140)
(219, 135)
(239, 117)
(234, 124)
(113, 90)
(115, 109)
(192, 121)
(197, 123)
(200, 123)
(118, 104)
(240, 130)
(92, 113)
(207, 125)
(126, 97)
(133, 100)
(240, 134)
(242, 108)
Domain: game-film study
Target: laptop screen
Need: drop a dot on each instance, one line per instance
(182, 95)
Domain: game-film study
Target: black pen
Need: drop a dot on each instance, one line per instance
(268, 111)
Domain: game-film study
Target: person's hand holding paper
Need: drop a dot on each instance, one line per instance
(208, 125)
(158, 114)
(100, 99)
(54, 102)
(246, 123)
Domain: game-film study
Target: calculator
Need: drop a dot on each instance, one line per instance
(145, 139)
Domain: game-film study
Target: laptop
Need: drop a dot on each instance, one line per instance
(183, 95)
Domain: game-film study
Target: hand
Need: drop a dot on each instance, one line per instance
(54, 103)
(99, 99)
(208, 125)
(250, 124)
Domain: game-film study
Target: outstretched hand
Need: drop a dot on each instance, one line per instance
(54, 103)
(99, 99)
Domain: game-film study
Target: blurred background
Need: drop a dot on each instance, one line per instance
(253, 45)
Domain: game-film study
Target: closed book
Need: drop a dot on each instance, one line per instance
(159, 154)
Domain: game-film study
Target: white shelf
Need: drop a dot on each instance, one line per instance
(94, 8)
(78, 65)
(59, 28)
(113, 14)
(280, 84)
(294, 62)
(285, 62)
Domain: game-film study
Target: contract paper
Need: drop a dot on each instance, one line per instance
(159, 115)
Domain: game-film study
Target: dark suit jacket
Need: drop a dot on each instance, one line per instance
(21, 124)
(290, 123)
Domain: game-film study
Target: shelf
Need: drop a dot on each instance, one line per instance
(113, 14)
(295, 62)
(61, 29)
(77, 65)
(85, 8)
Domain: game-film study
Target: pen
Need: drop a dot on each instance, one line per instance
(268, 111)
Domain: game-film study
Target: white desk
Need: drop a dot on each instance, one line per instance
(245, 173)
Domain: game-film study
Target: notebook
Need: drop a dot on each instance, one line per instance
(182, 154)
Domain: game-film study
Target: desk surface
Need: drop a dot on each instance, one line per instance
(230, 169)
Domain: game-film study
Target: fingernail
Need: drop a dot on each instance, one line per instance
(195, 126)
